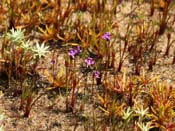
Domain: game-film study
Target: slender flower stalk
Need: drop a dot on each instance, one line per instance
(72, 52)
(106, 37)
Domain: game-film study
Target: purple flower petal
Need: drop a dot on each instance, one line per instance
(52, 61)
(72, 52)
(97, 74)
(89, 61)
(107, 36)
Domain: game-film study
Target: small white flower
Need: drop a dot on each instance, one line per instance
(16, 36)
(40, 50)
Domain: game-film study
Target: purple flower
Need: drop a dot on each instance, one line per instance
(97, 74)
(89, 61)
(72, 52)
(106, 36)
(78, 50)
(52, 61)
